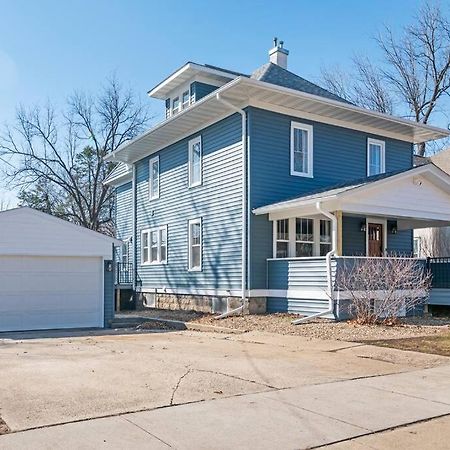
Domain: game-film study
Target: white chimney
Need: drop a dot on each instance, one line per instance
(278, 55)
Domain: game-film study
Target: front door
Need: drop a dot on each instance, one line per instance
(375, 237)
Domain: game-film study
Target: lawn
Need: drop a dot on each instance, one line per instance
(438, 345)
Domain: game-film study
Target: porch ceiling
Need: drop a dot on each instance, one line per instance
(421, 195)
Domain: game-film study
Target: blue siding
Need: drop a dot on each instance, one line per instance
(108, 282)
(200, 90)
(340, 155)
(400, 243)
(217, 201)
(124, 218)
(353, 239)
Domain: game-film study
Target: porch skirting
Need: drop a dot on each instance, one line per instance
(202, 303)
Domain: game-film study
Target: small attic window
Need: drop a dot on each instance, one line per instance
(176, 105)
(185, 99)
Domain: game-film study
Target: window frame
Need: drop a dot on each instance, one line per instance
(300, 241)
(276, 240)
(178, 108)
(310, 140)
(148, 232)
(382, 144)
(190, 223)
(151, 194)
(191, 145)
(185, 104)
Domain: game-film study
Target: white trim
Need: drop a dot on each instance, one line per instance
(153, 195)
(310, 154)
(102, 276)
(378, 221)
(193, 222)
(148, 232)
(382, 144)
(192, 142)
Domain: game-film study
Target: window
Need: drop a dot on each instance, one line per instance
(124, 254)
(417, 249)
(282, 245)
(304, 237)
(195, 244)
(325, 237)
(154, 246)
(375, 157)
(154, 178)
(301, 150)
(195, 162)
(176, 105)
(185, 99)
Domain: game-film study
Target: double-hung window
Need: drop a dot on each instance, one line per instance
(375, 157)
(185, 99)
(282, 243)
(325, 237)
(195, 245)
(154, 246)
(195, 162)
(176, 105)
(301, 149)
(304, 237)
(154, 178)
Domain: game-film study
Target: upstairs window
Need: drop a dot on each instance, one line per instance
(195, 245)
(154, 246)
(375, 157)
(154, 178)
(176, 105)
(301, 149)
(185, 99)
(195, 162)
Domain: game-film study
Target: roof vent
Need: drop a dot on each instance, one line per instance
(278, 54)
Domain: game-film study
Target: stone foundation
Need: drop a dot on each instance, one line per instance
(201, 303)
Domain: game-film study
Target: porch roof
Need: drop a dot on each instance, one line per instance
(419, 193)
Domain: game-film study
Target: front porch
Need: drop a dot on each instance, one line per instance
(314, 235)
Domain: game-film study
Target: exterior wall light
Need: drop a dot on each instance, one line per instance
(363, 227)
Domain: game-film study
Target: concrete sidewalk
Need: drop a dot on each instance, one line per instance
(291, 418)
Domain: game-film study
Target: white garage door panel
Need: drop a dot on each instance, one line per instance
(50, 292)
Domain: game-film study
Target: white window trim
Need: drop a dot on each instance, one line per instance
(275, 238)
(158, 261)
(178, 109)
(293, 235)
(309, 130)
(152, 195)
(199, 268)
(191, 144)
(382, 144)
(184, 105)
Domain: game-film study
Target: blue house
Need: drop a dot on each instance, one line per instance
(255, 187)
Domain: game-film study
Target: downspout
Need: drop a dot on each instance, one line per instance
(134, 220)
(244, 207)
(330, 289)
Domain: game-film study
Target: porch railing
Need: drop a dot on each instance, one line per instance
(124, 273)
(440, 272)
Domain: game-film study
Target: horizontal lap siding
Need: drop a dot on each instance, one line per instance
(340, 155)
(217, 201)
(124, 211)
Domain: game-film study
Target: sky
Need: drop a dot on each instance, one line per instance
(49, 48)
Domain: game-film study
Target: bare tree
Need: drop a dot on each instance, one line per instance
(414, 74)
(57, 162)
(382, 289)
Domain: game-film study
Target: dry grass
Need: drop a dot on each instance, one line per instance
(437, 345)
(3, 427)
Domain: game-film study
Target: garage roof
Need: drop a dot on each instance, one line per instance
(26, 231)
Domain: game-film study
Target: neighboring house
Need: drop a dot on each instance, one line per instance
(433, 242)
(53, 274)
(251, 180)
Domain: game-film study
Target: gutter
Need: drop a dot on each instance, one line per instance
(244, 206)
(330, 290)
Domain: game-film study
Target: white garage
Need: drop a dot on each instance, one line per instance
(53, 274)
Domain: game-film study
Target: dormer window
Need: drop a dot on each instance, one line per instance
(185, 99)
(176, 105)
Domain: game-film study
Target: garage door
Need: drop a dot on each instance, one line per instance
(39, 293)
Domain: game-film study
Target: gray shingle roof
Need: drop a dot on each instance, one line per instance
(272, 73)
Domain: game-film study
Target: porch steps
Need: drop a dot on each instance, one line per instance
(304, 307)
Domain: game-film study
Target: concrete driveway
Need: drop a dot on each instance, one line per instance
(208, 390)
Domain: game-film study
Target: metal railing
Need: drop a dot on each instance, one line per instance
(124, 273)
(440, 272)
